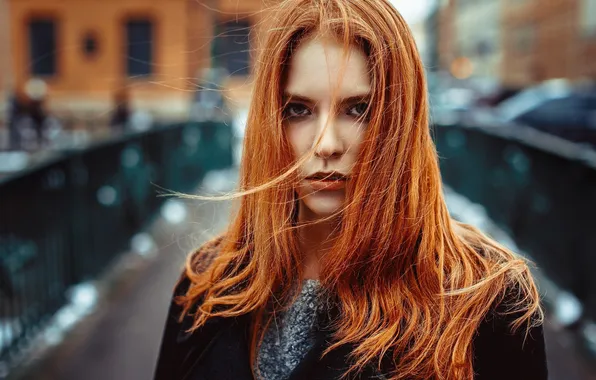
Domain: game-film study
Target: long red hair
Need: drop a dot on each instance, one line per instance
(409, 280)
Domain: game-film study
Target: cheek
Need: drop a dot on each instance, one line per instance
(300, 138)
(353, 136)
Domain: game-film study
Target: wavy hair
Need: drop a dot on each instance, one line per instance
(411, 283)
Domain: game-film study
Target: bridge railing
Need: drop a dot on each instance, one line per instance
(538, 188)
(61, 222)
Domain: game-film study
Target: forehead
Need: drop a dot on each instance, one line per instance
(320, 66)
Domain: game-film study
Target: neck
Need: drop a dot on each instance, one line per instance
(315, 239)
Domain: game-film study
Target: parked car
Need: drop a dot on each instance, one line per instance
(557, 107)
(466, 101)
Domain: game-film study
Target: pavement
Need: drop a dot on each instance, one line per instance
(120, 340)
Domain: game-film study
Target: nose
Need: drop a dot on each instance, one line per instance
(331, 145)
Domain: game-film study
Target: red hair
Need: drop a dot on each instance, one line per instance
(409, 280)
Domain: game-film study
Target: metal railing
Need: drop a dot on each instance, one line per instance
(61, 222)
(540, 189)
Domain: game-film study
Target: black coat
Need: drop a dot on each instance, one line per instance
(220, 351)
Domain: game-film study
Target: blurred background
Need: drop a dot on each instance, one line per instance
(106, 106)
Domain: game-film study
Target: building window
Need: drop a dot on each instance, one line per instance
(90, 45)
(231, 48)
(588, 17)
(42, 47)
(139, 48)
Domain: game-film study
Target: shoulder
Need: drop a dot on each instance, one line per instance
(509, 341)
(197, 262)
(505, 349)
(200, 259)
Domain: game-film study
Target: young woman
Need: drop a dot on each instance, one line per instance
(342, 260)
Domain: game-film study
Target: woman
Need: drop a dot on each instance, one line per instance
(342, 260)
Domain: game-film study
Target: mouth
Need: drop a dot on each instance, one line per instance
(321, 176)
(327, 181)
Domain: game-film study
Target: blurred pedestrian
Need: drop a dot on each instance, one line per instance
(36, 91)
(16, 111)
(121, 116)
(38, 117)
(342, 258)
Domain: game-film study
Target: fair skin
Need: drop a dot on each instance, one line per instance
(320, 77)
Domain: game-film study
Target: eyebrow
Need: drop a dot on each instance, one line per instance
(288, 97)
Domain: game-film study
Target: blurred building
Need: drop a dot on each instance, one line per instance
(518, 42)
(477, 39)
(89, 51)
(238, 27)
(469, 38)
(445, 34)
(548, 39)
(432, 25)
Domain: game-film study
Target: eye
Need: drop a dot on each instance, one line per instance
(295, 110)
(358, 110)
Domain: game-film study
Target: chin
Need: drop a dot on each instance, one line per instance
(324, 204)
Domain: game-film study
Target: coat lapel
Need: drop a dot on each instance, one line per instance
(313, 367)
(209, 350)
(335, 363)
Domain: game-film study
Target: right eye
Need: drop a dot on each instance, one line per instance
(296, 111)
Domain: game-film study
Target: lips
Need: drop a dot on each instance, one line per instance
(322, 176)
(327, 181)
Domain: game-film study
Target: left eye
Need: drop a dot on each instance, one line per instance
(358, 110)
(295, 111)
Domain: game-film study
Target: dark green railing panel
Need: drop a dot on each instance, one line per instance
(541, 190)
(63, 221)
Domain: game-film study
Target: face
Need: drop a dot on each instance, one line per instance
(323, 105)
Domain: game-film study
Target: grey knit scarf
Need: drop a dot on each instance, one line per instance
(290, 335)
